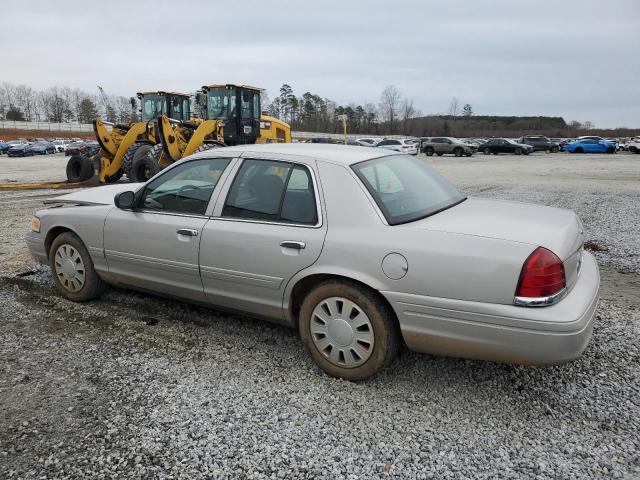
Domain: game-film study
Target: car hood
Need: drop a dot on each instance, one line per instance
(95, 196)
(556, 229)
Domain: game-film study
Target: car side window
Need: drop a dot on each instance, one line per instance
(186, 188)
(383, 143)
(273, 191)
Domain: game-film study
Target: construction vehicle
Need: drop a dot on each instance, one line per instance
(231, 117)
(122, 144)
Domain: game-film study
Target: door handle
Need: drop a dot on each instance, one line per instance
(293, 244)
(189, 232)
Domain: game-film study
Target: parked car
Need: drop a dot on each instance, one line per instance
(540, 143)
(367, 142)
(504, 145)
(91, 148)
(633, 145)
(3, 147)
(60, 145)
(18, 149)
(75, 148)
(588, 145)
(411, 260)
(442, 145)
(403, 145)
(41, 148)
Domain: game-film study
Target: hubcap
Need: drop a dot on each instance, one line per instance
(69, 268)
(342, 332)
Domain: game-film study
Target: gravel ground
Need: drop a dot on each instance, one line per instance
(138, 386)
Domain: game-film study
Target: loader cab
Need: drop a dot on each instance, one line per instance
(238, 106)
(153, 104)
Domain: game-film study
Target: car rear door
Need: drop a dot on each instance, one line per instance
(155, 245)
(267, 226)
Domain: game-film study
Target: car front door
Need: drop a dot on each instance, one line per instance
(155, 245)
(267, 226)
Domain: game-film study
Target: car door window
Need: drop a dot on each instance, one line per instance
(186, 188)
(273, 191)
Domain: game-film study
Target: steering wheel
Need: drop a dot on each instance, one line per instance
(180, 200)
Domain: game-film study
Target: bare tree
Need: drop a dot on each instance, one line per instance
(25, 99)
(454, 107)
(389, 105)
(587, 125)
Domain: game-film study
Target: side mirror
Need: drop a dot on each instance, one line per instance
(125, 200)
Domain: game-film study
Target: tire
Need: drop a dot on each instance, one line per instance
(487, 151)
(134, 151)
(429, 151)
(379, 327)
(458, 152)
(611, 150)
(554, 149)
(578, 150)
(79, 168)
(518, 151)
(72, 269)
(146, 166)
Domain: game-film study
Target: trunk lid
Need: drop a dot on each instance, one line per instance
(555, 229)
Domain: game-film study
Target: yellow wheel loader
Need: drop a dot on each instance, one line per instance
(122, 144)
(232, 117)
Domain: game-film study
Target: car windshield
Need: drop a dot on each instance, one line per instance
(405, 188)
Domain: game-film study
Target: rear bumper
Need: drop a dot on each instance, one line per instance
(502, 333)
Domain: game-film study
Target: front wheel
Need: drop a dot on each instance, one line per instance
(73, 270)
(518, 151)
(350, 332)
(458, 152)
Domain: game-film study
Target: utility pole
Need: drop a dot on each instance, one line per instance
(343, 119)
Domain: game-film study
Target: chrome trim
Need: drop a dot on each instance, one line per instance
(540, 301)
(295, 244)
(171, 214)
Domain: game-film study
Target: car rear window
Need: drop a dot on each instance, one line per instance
(405, 188)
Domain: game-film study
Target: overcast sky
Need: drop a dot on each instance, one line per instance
(579, 59)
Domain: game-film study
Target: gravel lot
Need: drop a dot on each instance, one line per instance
(137, 386)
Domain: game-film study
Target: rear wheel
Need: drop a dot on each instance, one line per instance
(145, 167)
(554, 149)
(429, 151)
(611, 150)
(518, 151)
(349, 331)
(458, 152)
(72, 269)
(79, 168)
(486, 151)
(579, 150)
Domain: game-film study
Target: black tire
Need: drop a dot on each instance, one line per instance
(145, 167)
(429, 151)
(458, 152)
(554, 149)
(611, 150)
(383, 322)
(79, 168)
(93, 285)
(579, 150)
(136, 150)
(518, 151)
(486, 151)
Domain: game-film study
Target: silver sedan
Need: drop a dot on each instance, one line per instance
(360, 249)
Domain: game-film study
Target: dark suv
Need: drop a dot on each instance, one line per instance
(540, 143)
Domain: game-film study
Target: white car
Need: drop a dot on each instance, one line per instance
(367, 142)
(60, 145)
(403, 145)
(633, 145)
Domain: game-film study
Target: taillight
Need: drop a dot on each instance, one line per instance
(542, 275)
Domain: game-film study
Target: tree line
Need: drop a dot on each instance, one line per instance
(393, 113)
(63, 105)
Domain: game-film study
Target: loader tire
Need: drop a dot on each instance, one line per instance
(79, 168)
(135, 151)
(146, 166)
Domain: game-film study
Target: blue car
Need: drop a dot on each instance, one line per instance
(590, 145)
(19, 149)
(41, 148)
(3, 147)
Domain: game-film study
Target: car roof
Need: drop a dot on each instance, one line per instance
(338, 154)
